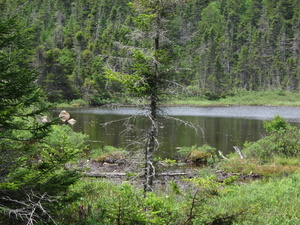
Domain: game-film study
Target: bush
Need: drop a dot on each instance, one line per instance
(107, 203)
(78, 102)
(276, 124)
(283, 141)
(63, 136)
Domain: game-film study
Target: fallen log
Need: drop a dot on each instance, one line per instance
(221, 155)
(172, 174)
(112, 174)
(121, 174)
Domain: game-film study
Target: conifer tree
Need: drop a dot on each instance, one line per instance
(151, 65)
(30, 177)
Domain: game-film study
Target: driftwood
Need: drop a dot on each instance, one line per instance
(105, 174)
(172, 174)
(121, 174)
(221, 155)
(239, 152)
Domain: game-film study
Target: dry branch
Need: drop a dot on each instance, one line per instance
(222, 156)
(30, 210)
(239, 152)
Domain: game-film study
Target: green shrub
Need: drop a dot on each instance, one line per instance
(170, 162)
(78, 102)
(64, 136)
(276, 124)
(283, 141)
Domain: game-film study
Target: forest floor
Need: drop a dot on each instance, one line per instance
(133, 173)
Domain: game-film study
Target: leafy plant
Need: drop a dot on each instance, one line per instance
(282, 141)
(170, 162)
(276, 124)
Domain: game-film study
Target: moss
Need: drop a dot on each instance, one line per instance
(199, 157)
(111, 157)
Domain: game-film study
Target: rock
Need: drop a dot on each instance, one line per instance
(64, 116)
(72, 121)
(44, 119)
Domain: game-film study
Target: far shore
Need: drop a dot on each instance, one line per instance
(251, 98)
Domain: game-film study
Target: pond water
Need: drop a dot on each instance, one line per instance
(219, 127)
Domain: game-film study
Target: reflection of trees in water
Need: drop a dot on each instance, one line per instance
(222, 133)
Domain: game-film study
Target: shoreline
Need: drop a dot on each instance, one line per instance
(244, 98)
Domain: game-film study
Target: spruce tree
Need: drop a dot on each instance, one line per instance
(30, 177)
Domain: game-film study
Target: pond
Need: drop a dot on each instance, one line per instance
(219, 127)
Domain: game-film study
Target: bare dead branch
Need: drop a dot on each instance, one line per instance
(30, 210)
(221, 155)
(236, 148)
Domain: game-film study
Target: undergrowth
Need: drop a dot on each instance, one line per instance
(275, 154)
(204, 198)
(200, 201)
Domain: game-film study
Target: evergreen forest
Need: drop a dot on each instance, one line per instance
(217, 47)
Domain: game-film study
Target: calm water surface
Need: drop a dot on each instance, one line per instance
(220, 127)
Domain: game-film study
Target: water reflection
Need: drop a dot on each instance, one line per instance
(220, 127)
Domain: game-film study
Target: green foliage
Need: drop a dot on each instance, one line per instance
(170, 162)
(276, 124)
(239, 97)
(34, 180)
(133, 84)
(283, 141)
(274, 155)
(208, 185)
(78, 102)
(115, 205)
(263, 202)
(45, 171)
(63, 136)
(143, 21)
(108, 203)
(126, 208)
(175, 187)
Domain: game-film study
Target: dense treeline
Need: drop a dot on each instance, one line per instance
(217, 46)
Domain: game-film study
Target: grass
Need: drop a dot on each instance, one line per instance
(274, 98)
(203, 201)
(73, 103)
(275, 201)
(248, 166)
(240, 97)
